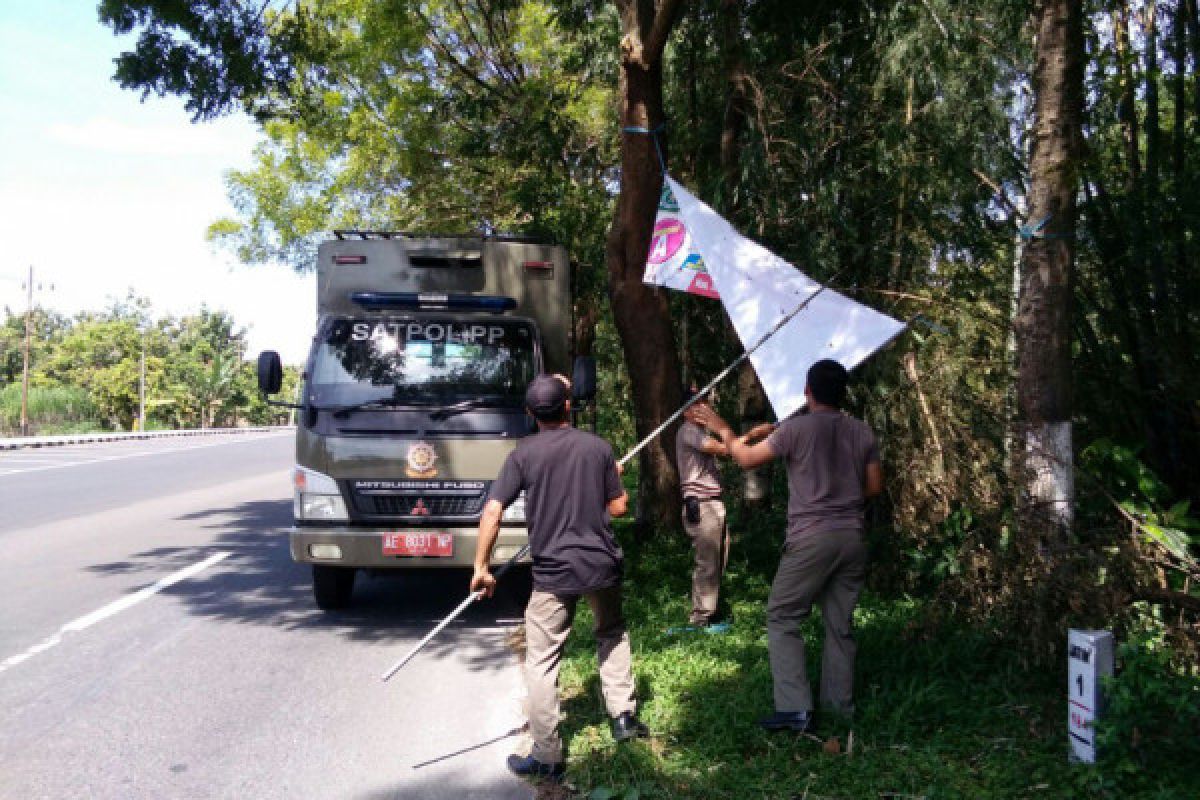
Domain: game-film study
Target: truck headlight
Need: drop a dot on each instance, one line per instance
(515, 512)
(317, 497)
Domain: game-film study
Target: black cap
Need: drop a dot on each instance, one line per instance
(545, 396)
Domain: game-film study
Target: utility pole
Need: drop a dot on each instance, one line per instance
(25, 367)
(142, 388)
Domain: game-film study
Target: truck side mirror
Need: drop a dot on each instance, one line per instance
(270, 372)
(583, 380)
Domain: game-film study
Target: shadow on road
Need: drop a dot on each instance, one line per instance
(260, 584)
(452, 786)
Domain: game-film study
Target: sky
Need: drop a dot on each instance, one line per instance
(102, 193)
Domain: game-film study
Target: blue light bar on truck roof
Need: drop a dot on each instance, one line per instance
(381, 301)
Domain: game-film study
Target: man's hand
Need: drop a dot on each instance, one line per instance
(710, 419)
(484, 580)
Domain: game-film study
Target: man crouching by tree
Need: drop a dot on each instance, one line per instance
(833, 467)
(572, 486)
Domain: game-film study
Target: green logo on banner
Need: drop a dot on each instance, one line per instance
(666, 200)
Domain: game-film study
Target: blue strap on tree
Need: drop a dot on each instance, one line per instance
(662, 162)
(1037, 231)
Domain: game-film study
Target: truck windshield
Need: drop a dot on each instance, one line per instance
(422, 361)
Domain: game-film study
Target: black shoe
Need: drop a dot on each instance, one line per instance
(628, 726)
(798, 721)
(530, 767)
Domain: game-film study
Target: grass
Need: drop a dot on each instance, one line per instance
(944, 715)
(52, 410)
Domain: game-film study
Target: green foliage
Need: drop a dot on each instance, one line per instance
(1152, 703)
(1148, 504)
(943, 710)
(85, 372)
(46, 328)
(437, 116)
(219, 54)
(57, 409)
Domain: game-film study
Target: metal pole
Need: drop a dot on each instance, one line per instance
(471, 598)
(142, 388)
(476, 595)
(25, 368)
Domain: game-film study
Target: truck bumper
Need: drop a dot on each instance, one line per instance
(363, 547)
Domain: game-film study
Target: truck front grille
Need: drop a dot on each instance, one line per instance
(413, 502)
(418, 506)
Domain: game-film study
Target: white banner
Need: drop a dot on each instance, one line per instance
(758, 288)
(674, 261)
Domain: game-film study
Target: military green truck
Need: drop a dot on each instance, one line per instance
(413, 395)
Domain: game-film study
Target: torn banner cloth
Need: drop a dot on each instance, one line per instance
(696, 250)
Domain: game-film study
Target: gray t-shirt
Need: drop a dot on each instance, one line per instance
(826, 454)
(568, 477)
(698, 474)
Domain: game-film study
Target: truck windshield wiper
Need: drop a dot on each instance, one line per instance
(466, 405)
(378, 402)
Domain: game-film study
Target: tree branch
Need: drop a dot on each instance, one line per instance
(664, 20)
(1170, 598)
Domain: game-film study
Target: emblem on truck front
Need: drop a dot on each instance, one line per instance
(421, 461)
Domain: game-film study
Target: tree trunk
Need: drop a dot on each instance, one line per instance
(1193, 25)
(752, 404)
(1043, 323)
(640, 312)
(1127, 105)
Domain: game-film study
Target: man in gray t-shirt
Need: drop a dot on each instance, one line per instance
(833, 467)
(572, 487)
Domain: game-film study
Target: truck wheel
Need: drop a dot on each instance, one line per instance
(332, 586)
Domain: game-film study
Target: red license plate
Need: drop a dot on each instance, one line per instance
(440, 545)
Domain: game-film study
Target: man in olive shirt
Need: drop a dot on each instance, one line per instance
(572, 486)
(696, 456)
(833, 467)
(703, 512)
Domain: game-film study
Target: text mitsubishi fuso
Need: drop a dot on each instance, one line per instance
(413, 396)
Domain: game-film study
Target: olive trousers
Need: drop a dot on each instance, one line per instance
(710, 541)
(548, 619)
(829, 569)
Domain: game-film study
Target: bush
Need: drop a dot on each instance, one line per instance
(59, 409)
(1152, 707)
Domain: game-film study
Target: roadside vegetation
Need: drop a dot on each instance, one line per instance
(84, 371)
(944, 709)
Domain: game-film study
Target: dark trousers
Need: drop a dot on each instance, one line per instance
(830, 570)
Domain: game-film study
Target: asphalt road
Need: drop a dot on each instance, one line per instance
(157, 641)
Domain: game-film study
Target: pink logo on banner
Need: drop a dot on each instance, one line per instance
(702, 285)
(669, 235)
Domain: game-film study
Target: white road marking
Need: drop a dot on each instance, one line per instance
(131, 455)
(115, 607)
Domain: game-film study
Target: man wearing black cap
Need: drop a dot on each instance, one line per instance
(833, 466)
(572, 487)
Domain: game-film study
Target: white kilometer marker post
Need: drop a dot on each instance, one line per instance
(1089, 661)
(115, 607)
